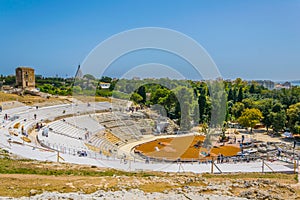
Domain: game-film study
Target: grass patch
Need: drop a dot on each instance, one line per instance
(27, 99)
(93, 99)
(25, 166)
(275, 176)
(63, 177)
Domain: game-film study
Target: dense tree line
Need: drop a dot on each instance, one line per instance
(237, 101)
(192, 102)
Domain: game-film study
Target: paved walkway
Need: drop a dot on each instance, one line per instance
(44, 155)
(34, 152)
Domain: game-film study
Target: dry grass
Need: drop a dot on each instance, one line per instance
(12, 185)
(278, 177)
(158, 187)
(18, 177)
(92, 99)
(31, 100)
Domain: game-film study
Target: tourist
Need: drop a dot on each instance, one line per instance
(34, 116)
(38, 126)
(222, 158)
(241, 147)
(45, 132)
(218, 158)
(279, 151)
(147, 160)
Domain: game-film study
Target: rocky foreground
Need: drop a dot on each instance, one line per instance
(131, 194)
(27, 179)
(227, 190)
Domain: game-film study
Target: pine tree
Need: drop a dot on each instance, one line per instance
(142, 92)
(230, 95)
(252, 89)
(240, 95)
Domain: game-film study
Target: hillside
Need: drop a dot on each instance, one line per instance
(45, 177)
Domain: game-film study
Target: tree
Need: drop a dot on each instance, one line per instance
(230, 95)
(10, 80)
(240, 95)
(77, 89)
(106, 79)
(89, 77)
(135, 97)
(277, 107)
(277, 120)
(234, 95)
(229, 106)
(293, 114)
(238, 81)
(265, 106)
(202, 104)
(185, 97)
(204, 128)
(218, 103)
(252, 89)
(142, 92)
(250, 117)
(237, 109)
(248, 103)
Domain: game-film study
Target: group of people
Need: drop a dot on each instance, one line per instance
(87, 135)
(137, 108)
(38, 126)
(82, 153)
(220, 158)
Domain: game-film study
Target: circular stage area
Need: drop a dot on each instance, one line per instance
(184, 148)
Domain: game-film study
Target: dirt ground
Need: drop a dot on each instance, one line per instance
(17, 185)
(188, 147)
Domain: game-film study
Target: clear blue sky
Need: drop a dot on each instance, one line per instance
(253, 39)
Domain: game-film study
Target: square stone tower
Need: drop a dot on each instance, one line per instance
(25, 77)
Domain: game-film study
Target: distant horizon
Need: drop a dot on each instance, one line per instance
(224, 78)
(73, 75)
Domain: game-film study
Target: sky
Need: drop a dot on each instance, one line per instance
(251, 39)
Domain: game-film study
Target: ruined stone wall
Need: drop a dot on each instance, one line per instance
(25, 77)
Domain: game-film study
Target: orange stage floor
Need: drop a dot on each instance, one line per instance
(185, 148)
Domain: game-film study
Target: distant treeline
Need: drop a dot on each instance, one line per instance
(193, 102)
